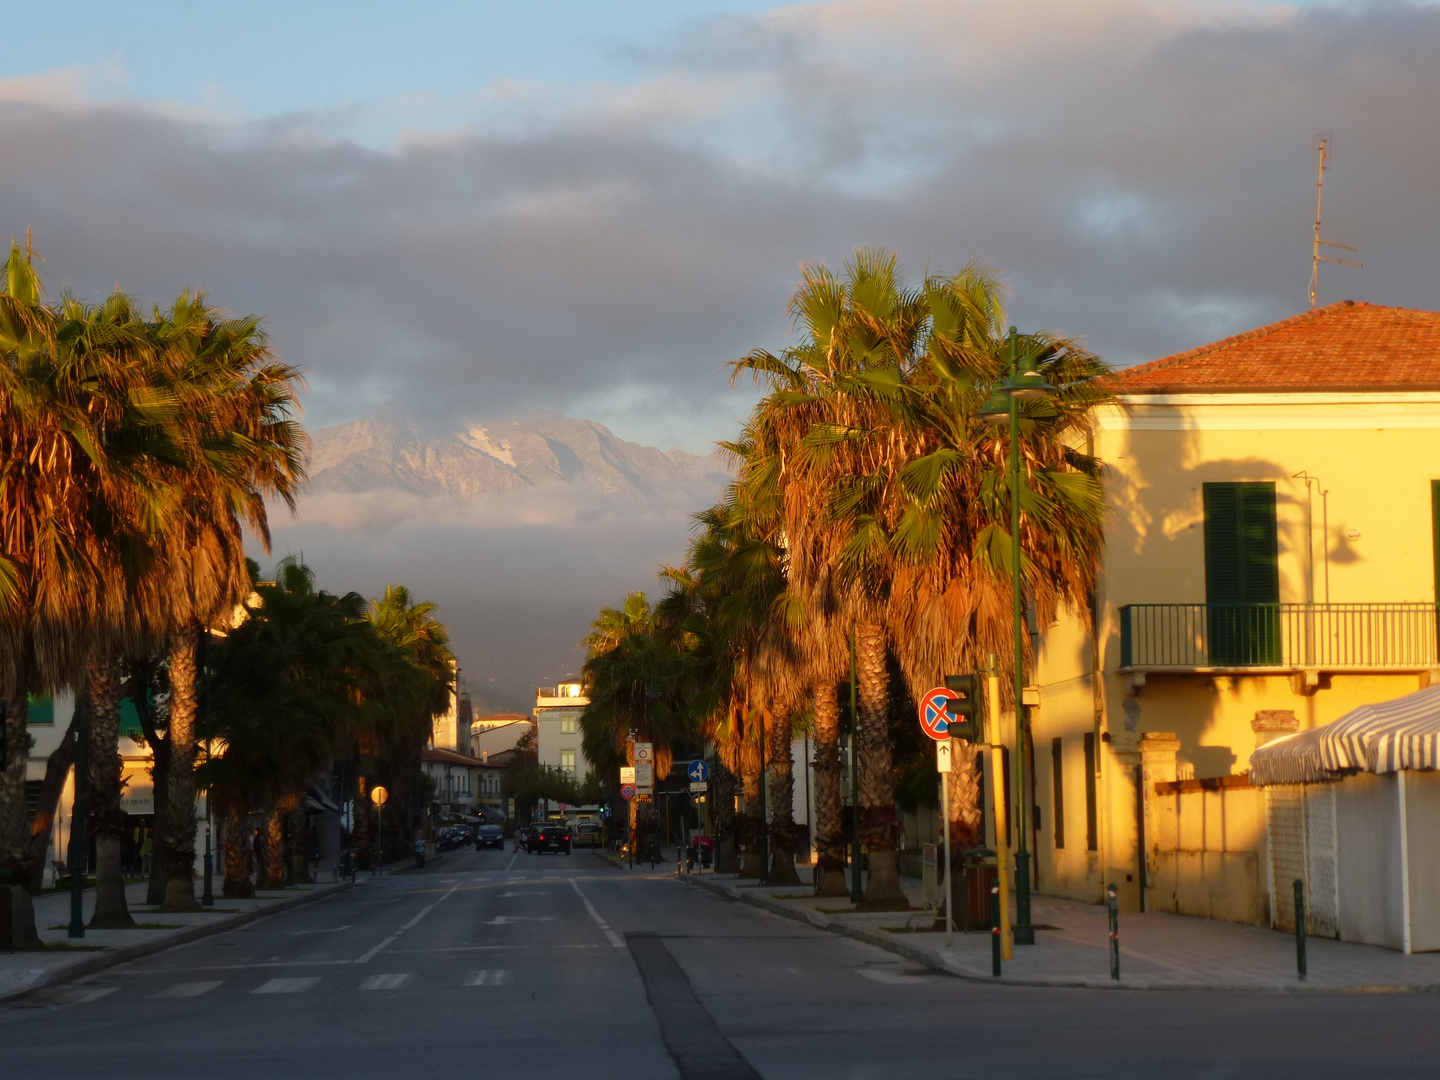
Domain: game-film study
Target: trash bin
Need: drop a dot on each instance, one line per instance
(981, 871)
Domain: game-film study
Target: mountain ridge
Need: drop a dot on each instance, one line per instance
(496, 457)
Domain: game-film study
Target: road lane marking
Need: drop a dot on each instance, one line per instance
(286, 986)
(512, 860)
(385, 982)
(408, 926)
(890, 977)
(187, 989)
(502, 920)
(426, 911)
(614, 938)
(487, 978)
(95, 995)
(327, 930)
(373, 952)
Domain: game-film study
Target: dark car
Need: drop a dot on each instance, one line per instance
(525, 838)
(489, 836)
(551, 838)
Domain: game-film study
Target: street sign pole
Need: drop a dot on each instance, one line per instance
(996, 777)
(942, 759)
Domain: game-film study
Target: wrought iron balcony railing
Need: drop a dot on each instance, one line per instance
(1287, 637)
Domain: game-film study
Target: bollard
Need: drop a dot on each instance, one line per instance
(995, 928)
(1300, 928)
(1113, 904)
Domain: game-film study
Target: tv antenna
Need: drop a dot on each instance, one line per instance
(1323, 153)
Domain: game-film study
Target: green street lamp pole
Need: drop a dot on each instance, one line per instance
(79, 813)
(856, 894)
(1024, 381)
(207, 897)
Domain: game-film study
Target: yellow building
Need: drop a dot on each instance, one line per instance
(1271, 563)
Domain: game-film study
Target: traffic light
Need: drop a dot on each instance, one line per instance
(966, 709)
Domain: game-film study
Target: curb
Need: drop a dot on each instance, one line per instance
(110, 957)
(890, 943)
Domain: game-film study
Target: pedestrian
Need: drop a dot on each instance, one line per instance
(313, 854)
(146, 847)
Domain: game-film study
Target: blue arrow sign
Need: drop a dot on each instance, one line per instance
(699, 772)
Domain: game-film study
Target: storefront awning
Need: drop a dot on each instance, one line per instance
(1382, 738)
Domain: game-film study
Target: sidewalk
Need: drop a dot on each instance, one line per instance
(69, 958)
(1169, 952)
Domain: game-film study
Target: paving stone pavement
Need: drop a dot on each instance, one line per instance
(1157, 951)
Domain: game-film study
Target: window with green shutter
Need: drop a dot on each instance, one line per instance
(1242, 579)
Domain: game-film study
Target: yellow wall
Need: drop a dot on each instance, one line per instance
(1374, 454)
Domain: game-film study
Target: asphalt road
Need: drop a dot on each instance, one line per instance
(497, 965)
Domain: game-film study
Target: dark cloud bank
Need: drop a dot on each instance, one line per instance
(1142, 175)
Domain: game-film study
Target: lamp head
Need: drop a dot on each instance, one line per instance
(997, 409)
(1026, 380)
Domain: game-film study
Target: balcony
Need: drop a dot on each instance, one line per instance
(1278, 638)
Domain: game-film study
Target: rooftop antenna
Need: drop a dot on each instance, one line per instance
(1323, 153)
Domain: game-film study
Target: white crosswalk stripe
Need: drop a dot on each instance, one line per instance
(187, 989)
(95, 993)
(286, 986)
(487, 978)
(385, 982)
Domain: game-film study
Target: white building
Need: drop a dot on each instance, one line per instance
(557, 724)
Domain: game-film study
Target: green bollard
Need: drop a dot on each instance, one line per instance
(1300, 928)
(995, 928)
(1113, 903)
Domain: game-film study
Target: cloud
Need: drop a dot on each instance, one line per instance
(1140, 171)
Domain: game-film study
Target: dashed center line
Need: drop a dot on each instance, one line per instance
(613, 937)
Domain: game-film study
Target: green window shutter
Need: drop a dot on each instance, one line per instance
(1241, 544)
(1057, 778)
(1242, 578)
(1092, 824)
(1223, 581)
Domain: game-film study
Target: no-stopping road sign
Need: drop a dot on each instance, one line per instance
(627, 791)
(934, 720)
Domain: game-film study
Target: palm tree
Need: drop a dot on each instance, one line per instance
(284, 698)
(831, 443)
(79, 412)
(237, 400)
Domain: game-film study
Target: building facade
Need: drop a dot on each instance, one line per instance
(557, 727)
(1272, 559)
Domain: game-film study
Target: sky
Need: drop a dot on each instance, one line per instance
(469, 210)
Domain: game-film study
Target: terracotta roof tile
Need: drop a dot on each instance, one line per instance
(1345, 346)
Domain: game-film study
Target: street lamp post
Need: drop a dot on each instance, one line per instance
(1024, 381)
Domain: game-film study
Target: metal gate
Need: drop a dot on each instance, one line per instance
(1285, 832)
(1321, 882)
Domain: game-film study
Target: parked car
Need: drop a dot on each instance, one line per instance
(586, 834)
(489, 836)
(554, 838)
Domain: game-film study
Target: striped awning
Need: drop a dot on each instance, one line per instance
(1382, 738)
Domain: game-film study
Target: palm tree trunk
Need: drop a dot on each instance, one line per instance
(107, 819)
(829, 829)
(274, 870)
(237, 846)
(178, 837)
(727, 849)
(877, 772)
(752, 817)
(160, 784)
(300, 846)
(782, 798)
(14, 822)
